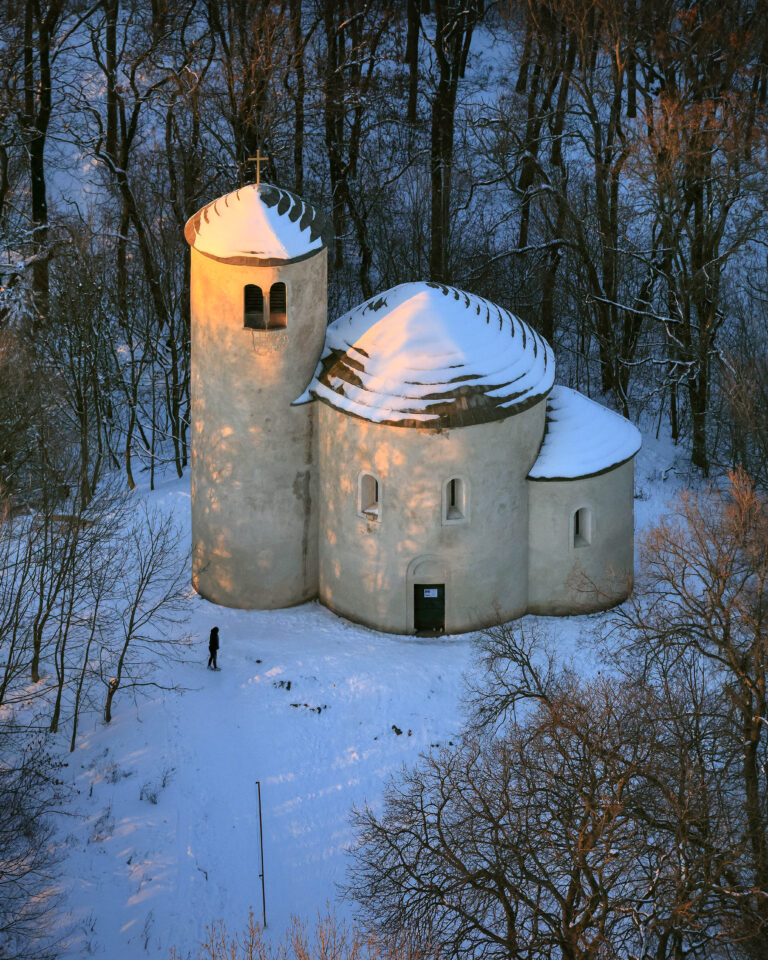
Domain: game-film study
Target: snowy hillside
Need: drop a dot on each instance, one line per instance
(164, 833)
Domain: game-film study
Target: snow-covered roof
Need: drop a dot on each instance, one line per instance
(582, 438)
(427, 355)
(257, 223)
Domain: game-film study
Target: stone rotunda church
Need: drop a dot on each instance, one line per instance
(413, 465)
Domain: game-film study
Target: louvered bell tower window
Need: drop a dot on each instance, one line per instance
(254, 307)
(278, 316)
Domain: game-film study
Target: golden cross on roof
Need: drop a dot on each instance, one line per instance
(258, 160)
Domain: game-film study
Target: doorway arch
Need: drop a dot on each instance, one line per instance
(429, 570)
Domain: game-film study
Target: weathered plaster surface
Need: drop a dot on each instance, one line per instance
(564, 578)
(368, 566)
(254, 483)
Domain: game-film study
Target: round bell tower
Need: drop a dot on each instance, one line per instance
(258, 297)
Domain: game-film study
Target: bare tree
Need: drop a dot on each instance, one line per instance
(331, 939)
(522, 845)
(41, 24)
(92, 601)
(700, 610)
(353, 38)
(30, 792)
(155, 68)
(517, 665)
(252, 42)
(32, 433)
(39, 33)
(574, 818)
(17, 556)
(147, 603)
(704, 127)
(745, 389)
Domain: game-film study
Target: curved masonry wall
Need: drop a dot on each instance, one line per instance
(368, 566)
(568, 579)
(254, 499)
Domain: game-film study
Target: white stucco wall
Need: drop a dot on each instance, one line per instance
(254, 498)
(564, 578)
(368, 566)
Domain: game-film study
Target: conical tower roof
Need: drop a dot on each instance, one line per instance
(256, 224)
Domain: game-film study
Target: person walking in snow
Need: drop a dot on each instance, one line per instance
(213, 648)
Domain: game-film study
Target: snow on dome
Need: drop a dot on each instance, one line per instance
(582, 438)
(263, 223)
(424, 354)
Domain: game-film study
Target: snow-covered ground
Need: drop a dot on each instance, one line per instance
(164, 833)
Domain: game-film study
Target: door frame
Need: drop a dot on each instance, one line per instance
(427, 569)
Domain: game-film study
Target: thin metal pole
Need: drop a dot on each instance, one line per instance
(261, 844)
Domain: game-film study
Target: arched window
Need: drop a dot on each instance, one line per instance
(455, 500)
(582, 527)
(254, 307)
(369, 504)
(277, 306)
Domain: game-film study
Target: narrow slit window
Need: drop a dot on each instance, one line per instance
(278, 316)
(582, 527)
(369, 495)
(254, 307)
(454, 500)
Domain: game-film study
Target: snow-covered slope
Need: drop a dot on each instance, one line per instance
(166, 835)
(163, 836)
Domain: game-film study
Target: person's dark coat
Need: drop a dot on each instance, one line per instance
(213, 643)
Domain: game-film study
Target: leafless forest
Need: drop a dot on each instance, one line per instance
(598, 166)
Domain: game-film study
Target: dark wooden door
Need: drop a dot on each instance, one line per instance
(429, 607)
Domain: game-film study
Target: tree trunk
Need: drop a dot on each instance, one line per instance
(698, 392)
(412, 59)
(334, 124)
(298, 99)
(111, 11)
(38, 31)
(454, 25)
(81, 680)
(112, 688)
